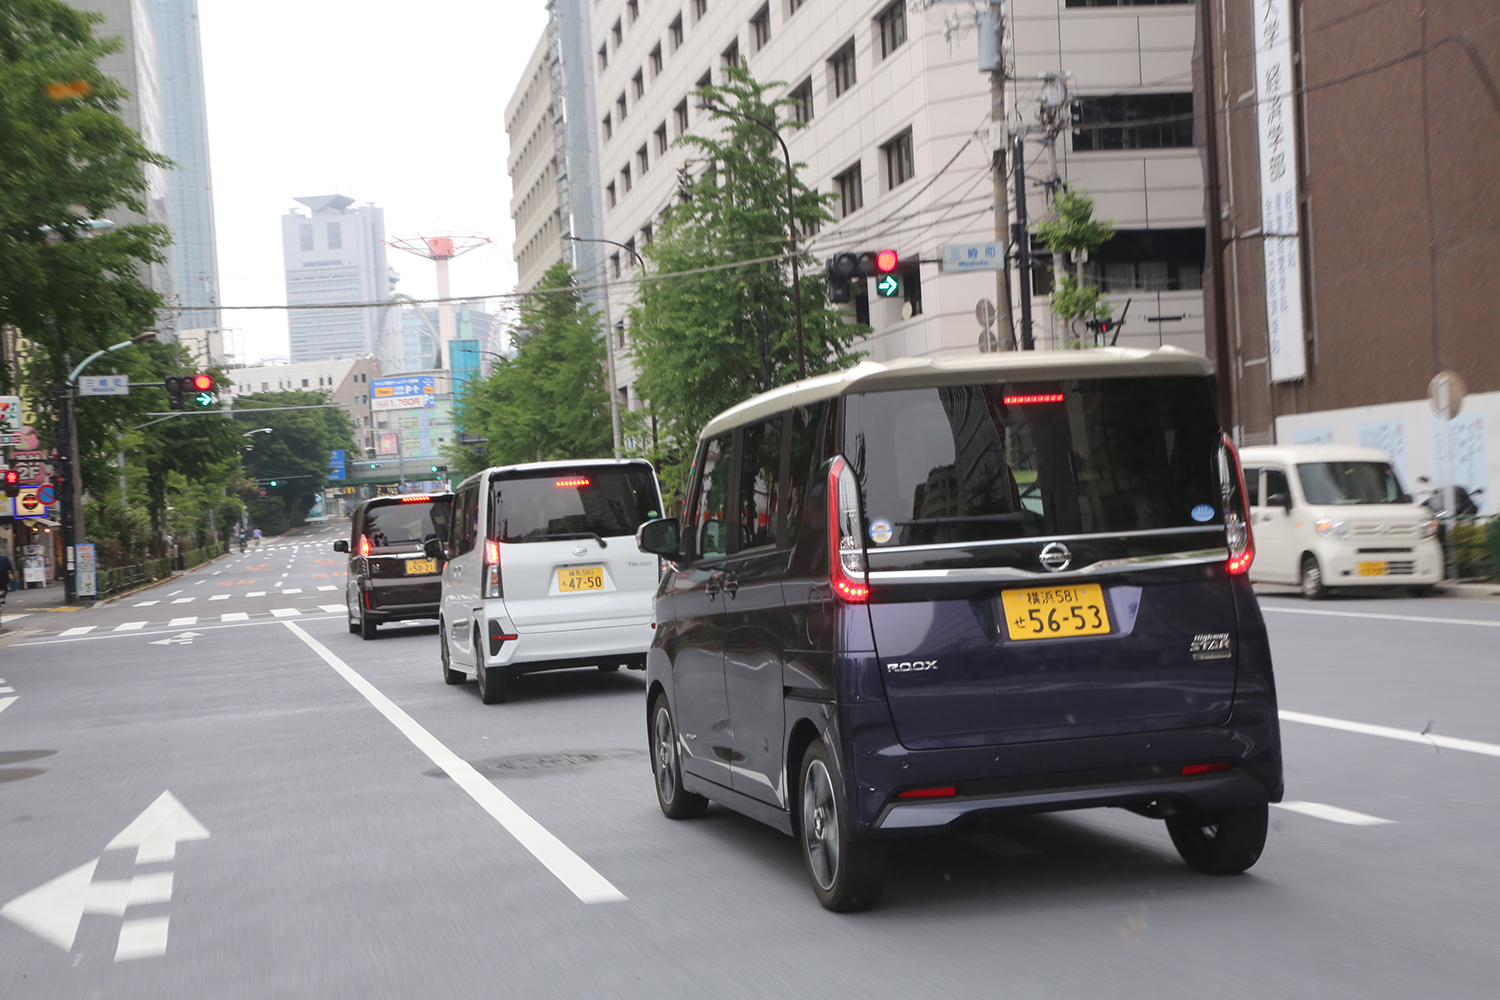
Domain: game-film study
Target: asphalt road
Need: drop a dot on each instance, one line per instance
(342, 824)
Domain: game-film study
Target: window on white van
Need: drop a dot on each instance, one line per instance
(558, 504)
(1276, 483)
(1252, 486)
(999, 461)
(1350, 482)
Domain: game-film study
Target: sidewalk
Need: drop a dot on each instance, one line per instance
(45, 598)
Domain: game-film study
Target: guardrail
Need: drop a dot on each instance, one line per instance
(120, 578)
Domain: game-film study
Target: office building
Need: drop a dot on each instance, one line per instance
(346, 381)
(334, 253)
(419, 334)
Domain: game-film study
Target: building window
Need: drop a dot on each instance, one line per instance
(614, 264)
(633, 8)
(700, 8)
(793, 6)
(630, 251)
(661, 138)
(305, 237)
(899, 162)
(642, 162)
(625, 180)
(675, 30)
(706, 80)
(609, 195)
(802, 110)
(638, 83)
(609, 128)
(647, 234)
(1157, 260)
(851, 189)
(604, 57)
(841, 68)
(731, 55)
(620, 106)
(618, 34)
(680, 113)
(304, 383)
(335, 236)
(1135, 121)
(656, 61)
(760, 27)
(890, 25)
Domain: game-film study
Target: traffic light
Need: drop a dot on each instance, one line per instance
(174, 386)
(202, 385)
(273, 482)
(12, 483)
(863, 264)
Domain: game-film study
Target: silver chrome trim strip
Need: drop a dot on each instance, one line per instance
(1166, 560)
(1044, 539)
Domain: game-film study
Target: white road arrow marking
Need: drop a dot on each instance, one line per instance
(180, 639)
(6, 702)
(155, 832)
(52, 910)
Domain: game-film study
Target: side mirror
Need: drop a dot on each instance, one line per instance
(341, 545)
(433, 549)
(1282, 500)
(660, 536)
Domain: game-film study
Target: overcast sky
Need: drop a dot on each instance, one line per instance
(397, 103)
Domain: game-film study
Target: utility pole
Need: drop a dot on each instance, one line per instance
(1023, 244)
(992, 61)
(609, 338)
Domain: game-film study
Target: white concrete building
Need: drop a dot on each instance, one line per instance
(346, 380)
(532, 166)
(335, 253)
(898, 126)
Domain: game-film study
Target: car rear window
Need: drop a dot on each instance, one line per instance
(406, 522)
(555, 505)
(1350, 482)
(995, 461)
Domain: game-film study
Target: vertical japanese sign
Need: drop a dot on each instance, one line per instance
(86, 564)
(1278, 190)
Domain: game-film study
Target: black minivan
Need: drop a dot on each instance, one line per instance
(910, 594)
(391, 578)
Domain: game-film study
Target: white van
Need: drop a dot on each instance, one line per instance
(1327, 516)
(541, 571)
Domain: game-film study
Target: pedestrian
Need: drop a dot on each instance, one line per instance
(5, 571)
(242, 540)
(257, 538)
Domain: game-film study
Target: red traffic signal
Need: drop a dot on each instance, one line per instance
(203, 382)
(12, 482)
(886, 261)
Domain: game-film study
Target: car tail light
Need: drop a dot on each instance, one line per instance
(492, 569)
(1205, 768)
(938, 792)
(364, 545)
(1237, 533)
(846, 554)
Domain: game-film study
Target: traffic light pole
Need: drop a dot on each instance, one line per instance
(1023, 245)
(71, 498)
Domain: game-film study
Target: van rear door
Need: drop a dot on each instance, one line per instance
(1047, 560)
(566, 538)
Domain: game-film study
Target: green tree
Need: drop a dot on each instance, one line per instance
(696, 339)
(1071, 227)
(550, 401)
(295, 454)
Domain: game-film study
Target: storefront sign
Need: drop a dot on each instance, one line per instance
(1279, 219)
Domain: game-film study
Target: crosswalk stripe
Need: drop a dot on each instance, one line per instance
(292, 590)
(256, 593)
(332, 609)
(1332, 813)
(175, 622)
(11, 618)
(79, 630)
(234, 616)
(285, 612)
(219, 597)
(183, 600)
(328, 588)
(130, 626)
(145, 604)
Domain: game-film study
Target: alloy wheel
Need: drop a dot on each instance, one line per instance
(820, 824)
(666, 772)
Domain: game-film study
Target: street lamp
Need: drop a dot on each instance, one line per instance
(258, 430)
(609, 341)
(791, 221)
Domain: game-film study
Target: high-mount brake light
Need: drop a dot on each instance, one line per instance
(939, 792)
(574, 481)
(364, 545)
(1039, 397)
(416, 499)
(1205, 768)
(1237, 535)
(492, 569)
(846, 555)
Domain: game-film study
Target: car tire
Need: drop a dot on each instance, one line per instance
(450, 676)
(666, 769)
(493, 681)
(846, 874)
(354, 626)
(1313, 586)
(1223, 842)
(353, 608)
(608, 668)
(1422, 590)
(367, 628)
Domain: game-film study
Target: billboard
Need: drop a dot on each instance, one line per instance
(404, 393)
(1278, 191)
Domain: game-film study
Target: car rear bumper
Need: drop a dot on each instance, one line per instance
(602, 642)
(400, 600)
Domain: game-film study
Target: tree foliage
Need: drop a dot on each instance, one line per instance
(1071, 227)
(295, 454)
(550, 401)
(697, 339)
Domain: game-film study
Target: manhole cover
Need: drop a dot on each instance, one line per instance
(520, 765)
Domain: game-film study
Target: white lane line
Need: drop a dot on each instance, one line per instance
(179, 622)
(1332, 813)
(146, 938)
(7, 690)
(80, 630)
(6, 702)
(574, 872)
(1408, 735)
(174, 593)
(199, 583)
(292, 590)
(219, 597)
(130, 626)
(235, 616)
(184, 600)
(256, 593)
(11, 618)
(1380, 617)
(329, 587)
(216, 572)
(332, 609)
(285, 612)
(144, 604)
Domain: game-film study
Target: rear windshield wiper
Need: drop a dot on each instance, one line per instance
(564, 535)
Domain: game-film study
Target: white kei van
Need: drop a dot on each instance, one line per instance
(541, 571)
(1327, 516)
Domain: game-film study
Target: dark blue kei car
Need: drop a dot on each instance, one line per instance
(910, 594)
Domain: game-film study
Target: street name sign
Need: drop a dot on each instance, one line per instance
(104, 385)
(973, 257)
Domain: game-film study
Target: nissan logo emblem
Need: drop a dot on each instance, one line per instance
(581, 550)
(1056, 557)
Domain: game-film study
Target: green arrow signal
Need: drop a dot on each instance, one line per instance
(887, 287)
(203, 399)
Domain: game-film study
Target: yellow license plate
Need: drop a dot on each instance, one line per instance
(420, 567)
(1055, 612)
(577, 578)
(1372, 569)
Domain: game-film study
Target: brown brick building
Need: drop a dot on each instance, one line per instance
(1394, 115)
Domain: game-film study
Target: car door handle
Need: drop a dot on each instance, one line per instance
(731, 585)
(712, 588)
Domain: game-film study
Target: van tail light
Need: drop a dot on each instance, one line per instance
(937, 792)
(492, 569)
(1237, 534)
(1205, 768)
(364, 545)
(846, 553)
